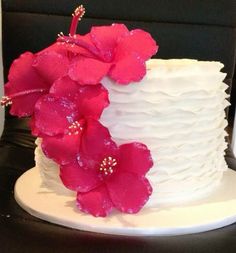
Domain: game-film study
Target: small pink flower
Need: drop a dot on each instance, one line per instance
(67, 117)
(111, 177)
(113, 49)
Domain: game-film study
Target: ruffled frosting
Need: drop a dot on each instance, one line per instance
(49, 171)
(177, 110)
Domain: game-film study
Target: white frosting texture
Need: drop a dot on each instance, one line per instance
(50, 173)
(177, 110)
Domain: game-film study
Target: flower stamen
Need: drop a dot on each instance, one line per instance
(61, 34)
(77, 15)
(73, 40)
(107, 166)
(5, 101)
(75, 128)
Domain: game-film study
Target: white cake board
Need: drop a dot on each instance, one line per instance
(214, 211)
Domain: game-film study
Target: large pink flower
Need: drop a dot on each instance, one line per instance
(30, 77)
(68, 116)
(112, 177)
(114, 49)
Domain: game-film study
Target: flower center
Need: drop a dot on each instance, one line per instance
(5, 101)
(107, 166)
(76, 127)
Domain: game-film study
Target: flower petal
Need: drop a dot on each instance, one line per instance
(96, 142)
(88, 70)
(139, 42)
(77, 178)
(62, 150)
(91, 100)
(62, 46)
(135, 157)
(51, 65)
(66, 88)
(135, 66)
(105, 38)
(23, 105)
(54, 115)
(96, 202)
(23, 78)
(128, 192)
(86, 39)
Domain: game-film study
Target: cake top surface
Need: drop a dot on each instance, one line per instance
(183, 64)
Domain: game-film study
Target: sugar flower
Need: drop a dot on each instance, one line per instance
(68, 115)
(113, 49)
(113, 177)
(30, 77)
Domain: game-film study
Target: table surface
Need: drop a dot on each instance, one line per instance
(20, 232)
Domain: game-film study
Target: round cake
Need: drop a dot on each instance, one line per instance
(116, 130)
(178, 111)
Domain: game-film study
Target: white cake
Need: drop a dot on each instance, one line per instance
(177, 110)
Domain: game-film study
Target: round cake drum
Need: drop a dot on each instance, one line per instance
(214, 211)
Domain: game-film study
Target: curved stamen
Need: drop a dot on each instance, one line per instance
(78, 42)
(77, 15)
(7, 100)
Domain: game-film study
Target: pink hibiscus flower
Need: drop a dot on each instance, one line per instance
(113, 49)
(68, 116)
(112, 177)
(30, 77)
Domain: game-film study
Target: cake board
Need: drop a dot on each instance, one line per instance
(214, 211)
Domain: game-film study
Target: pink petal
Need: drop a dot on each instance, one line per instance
(22, 76)
(22, 80)
(139, 42)
(135, 157)
(23, 105)
(61, 149)
(96, 202)
(128, 192)
(72, 49)
(66, 88)
(78, 49)
(88, 70)
(96, 142)
(51, 65)
(79, 178)
(54, 115)
(91, 100)
(135, 66)
(105, 38)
